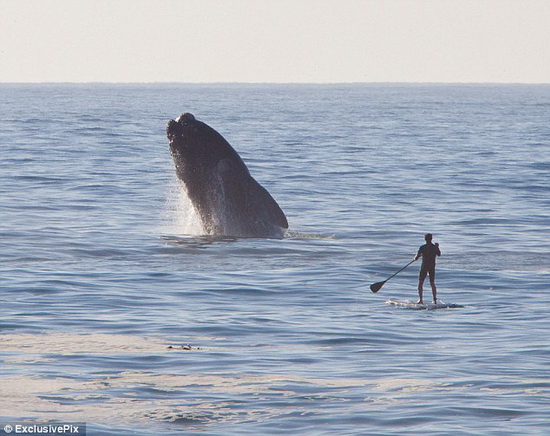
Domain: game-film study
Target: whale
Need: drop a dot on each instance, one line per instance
(227, 199)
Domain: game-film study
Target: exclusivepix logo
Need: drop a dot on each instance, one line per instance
(40, 429)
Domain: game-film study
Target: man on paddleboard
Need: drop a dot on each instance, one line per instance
(428, 252)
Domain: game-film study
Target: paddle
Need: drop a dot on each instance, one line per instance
(375, 287)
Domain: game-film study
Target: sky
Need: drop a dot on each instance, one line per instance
(275, 41)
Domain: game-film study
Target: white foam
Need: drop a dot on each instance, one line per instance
(409, 304)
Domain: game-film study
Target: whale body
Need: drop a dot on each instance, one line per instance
(228, 200)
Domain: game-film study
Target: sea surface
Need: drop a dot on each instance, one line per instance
(118, 313)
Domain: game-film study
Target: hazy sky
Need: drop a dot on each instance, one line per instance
(275, 41)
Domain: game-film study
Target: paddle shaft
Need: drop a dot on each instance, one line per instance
(375, 287)
(400, 270)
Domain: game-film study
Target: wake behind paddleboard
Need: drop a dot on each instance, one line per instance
(409, 304)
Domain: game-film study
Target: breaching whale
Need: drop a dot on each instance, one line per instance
(226, 197)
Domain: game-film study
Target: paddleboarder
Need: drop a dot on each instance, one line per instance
(429, 251)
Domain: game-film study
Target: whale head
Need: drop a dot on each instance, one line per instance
(196, 147)
(227, 198)
(180, 127)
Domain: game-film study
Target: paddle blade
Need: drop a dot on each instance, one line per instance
(377, 286)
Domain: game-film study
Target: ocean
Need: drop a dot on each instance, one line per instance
(117, 312)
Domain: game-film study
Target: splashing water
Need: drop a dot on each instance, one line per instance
(180, 217)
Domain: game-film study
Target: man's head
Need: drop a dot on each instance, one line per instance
(428, 237)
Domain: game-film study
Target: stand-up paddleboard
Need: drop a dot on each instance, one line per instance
(409, 304)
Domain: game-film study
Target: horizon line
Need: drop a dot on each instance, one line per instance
(269, 83)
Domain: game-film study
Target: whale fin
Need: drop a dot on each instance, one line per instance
(252, 209)
(264, 205)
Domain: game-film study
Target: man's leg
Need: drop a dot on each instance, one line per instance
(432, 284)
(421, 278)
